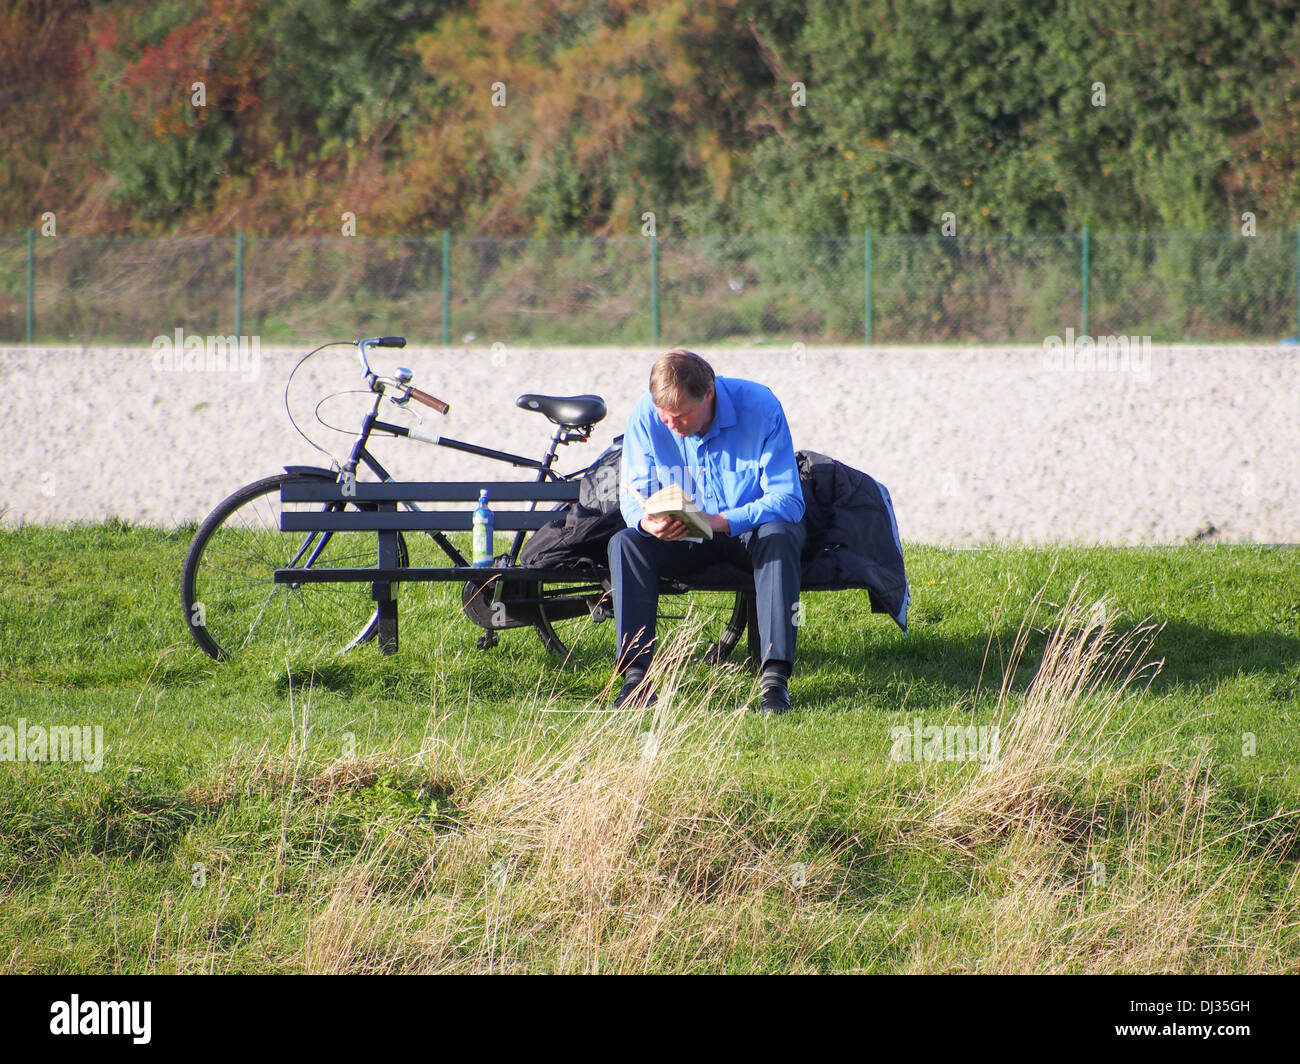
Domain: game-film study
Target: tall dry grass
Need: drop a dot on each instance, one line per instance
(1066, 723)
(614, 843)
(1097, 870)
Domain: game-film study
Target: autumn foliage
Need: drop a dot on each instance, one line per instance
(555, 117)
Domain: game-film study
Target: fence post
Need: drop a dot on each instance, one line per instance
(1084, 281)
(31, 285)
(239, 282)
(654, 290)
(868, 309)
(446, 288)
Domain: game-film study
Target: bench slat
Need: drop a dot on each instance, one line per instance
(408, 520)
(430, 491)
(520, 574)
(413, 574)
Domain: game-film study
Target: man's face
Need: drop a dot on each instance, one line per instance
(690, 419)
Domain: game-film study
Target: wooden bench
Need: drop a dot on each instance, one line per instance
(495, 598)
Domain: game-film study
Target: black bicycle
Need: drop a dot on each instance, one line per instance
(232, 603)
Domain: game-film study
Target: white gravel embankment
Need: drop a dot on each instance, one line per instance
(977, 445)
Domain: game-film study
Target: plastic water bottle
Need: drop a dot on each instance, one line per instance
(483, 521)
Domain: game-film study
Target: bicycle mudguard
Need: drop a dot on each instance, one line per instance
(316, 470)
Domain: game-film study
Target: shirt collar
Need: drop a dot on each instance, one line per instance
(724, 411)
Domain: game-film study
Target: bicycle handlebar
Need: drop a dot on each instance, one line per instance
(428, 400)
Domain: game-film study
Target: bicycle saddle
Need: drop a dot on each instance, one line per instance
(571, 411)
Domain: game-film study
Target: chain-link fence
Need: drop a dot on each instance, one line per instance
(704, 290)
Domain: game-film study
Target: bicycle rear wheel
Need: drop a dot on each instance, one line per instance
(232, 604)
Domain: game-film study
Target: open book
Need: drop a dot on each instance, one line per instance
(672, 501)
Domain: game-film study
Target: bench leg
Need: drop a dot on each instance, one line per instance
(388, 626)
(384, 595)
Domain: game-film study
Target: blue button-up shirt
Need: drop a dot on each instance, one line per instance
(742, 467)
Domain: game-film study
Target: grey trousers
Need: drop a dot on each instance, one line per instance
(637, 561)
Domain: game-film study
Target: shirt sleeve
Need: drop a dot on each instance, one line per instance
(636, 469)
(782, 498)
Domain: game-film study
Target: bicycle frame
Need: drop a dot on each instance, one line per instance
(360, 455)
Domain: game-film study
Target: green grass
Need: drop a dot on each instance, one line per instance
(454, 810)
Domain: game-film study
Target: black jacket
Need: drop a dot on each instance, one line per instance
(852, 534)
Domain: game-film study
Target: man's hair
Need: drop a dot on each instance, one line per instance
(679, 376)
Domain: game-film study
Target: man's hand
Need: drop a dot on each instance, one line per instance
(662, 527)
(670, 528)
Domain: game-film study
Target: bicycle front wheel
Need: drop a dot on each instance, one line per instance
(232, 604)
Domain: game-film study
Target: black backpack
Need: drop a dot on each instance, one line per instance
(580, 534)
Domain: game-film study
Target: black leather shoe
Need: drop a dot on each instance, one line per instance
(776, 696)
(635, 694)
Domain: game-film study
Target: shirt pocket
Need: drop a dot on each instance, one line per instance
(741, 484)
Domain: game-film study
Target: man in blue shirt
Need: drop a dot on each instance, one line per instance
(726, 442)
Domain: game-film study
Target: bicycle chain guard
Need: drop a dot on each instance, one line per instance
(497, 604)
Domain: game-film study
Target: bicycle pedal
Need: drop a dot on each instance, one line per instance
(488, 640)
